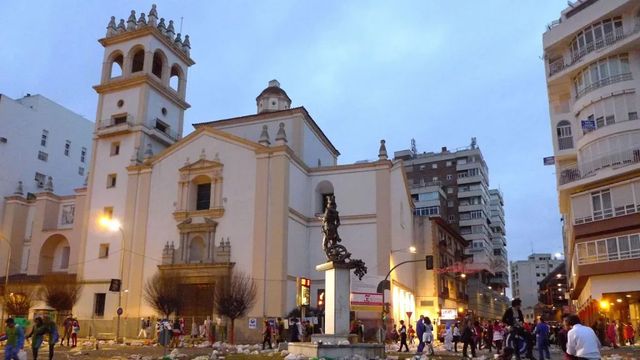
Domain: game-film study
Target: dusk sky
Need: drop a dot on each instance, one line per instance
(437, 71)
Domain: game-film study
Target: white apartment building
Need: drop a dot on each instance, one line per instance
(43, 145)
(592, 62)
(527, 274)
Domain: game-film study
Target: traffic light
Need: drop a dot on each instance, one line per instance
(429, 262)
(320, 299)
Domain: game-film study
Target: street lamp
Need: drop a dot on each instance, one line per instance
(6, 277)
(114, 225)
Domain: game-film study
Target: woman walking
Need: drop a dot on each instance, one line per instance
(427, 336)
(456, 336)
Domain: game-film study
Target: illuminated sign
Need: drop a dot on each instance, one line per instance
(448, 314)
(305, 292)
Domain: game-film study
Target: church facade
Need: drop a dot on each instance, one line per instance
(241, 194)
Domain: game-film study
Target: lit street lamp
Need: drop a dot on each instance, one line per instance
(114, 225)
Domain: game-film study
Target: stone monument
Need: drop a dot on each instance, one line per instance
(334, 342)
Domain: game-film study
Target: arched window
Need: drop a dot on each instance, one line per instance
(201, 193)
(323, 191)
(565, 140)
(196, 250)
(137, 62)
(176, 76)
(116, 66)
(158, 63)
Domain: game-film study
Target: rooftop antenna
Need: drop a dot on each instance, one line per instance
(181, 19)
(413, 146)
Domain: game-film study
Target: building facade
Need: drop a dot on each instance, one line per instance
(526, 276)
(592, 63)
(243, 194)
(454, 185)
(552, 299)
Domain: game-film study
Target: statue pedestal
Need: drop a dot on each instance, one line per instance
(334, 342)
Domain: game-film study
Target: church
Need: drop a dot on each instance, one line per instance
(240, 194)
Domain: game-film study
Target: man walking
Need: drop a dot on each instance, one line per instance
(419, 331)
(542, 339)
(514, 320)
(582, 342)
(15, 340)
(403, 337)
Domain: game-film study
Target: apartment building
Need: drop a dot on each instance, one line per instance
(592, 63)
(454, 185)
(526, 276)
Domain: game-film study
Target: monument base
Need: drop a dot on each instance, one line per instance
(336, 351)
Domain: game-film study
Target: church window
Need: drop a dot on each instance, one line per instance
(120, 103)
(67, 148)
(137, 62)
(40, 179)
(111, 180)
(324, 189)
(203, 196)
(196, 250)
(156, 67)
(116, 66)
(115, 148)
(104, 251)
(120, 119)
(164, 111)
(98, 304)
(162, 126)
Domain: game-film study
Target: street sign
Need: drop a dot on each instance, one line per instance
(429, 262)
(448, 314)
(253, 323)
(588, 125)
(409, 313)
(549, 160)
(119, 311)
(115, 285)
(305, 292)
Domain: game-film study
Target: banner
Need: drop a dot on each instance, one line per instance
(362, 301)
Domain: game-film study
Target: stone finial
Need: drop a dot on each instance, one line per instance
(171, 32)
(49, 185)
(274, 83)
(186, 45)
(203, 154)
(19, 189)
(178, 41)
(281, 136)
(148, 153)
(264, 136)
(111, 27)
(142, 21)
(131, 21)
(162, 27)
(121, 27)
(153, 16)
(382, 153)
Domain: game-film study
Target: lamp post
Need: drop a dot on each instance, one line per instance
(384, 283)
(6, 278)
(114, 225)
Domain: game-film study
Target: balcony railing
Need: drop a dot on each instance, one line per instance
(603, 82)
(589, 168)
(163, 129)
(115, 121)
(558, 65)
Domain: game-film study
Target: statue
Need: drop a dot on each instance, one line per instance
(331, 240)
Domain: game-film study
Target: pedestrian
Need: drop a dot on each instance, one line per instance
(514, 321)
(419, 332)
(67, 328)
(611, 334)
(478, 332)
(75, 330)
(143, 328)
(448, 338)
(427, 337)
(467, 337)
(37, 332)
(175, 332)
(403, 337)
(194, 329)
(541, 332)
(582, 341)
(498, 335)
(562, 336)
(456, 336)
(294, 331)
(52, 329)
(266, 335)
(488, 336)
(395, 336)
(628, 334)
(412, 334)
(14, 335)
(360, 331)
(279, 331)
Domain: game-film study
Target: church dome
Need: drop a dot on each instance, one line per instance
(273, 98)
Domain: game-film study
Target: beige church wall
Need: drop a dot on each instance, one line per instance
(300, 190)
(110, 104)
(155, 103)
(402, 229)
(354, 189)
(314, 149)
(252, 131)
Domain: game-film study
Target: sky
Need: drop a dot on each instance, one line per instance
(437, 71)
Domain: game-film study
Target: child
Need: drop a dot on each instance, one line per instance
(448, 339)
(75, 331)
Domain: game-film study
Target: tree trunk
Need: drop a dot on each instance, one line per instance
(232, 332)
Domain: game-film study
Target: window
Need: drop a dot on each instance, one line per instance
(611, 249)
(601, 73)
(64, 258)
(111, 180)
(99, 300)
(601, 202)
(434, 195)
(449, 177)
(45, 136)
(452, 218)
(633, 115)
(450, 203)
(40, 179)
(156, 67)
(434, 166)
(83, 155)
(427, 211)
(449, 190)
(120, 119)
(448, 163)
(596, 36)
(108, 212)
(43, 156)
(565, 140)
(138, 61)
(81, 171)
(116, 70)
(434, 179)
(103, 252)
(203, 197)
(115, 148)
(162, 126)
(67, 147)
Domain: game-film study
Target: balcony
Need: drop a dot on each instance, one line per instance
(615, 161)
(603, 82)
(115, 125)
(559, 64)
(162, 131)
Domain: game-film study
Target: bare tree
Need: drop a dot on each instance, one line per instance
(61, 292)
(18, 299)
(162, 292)
(235, 300)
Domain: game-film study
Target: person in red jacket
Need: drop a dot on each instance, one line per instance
(611, 334)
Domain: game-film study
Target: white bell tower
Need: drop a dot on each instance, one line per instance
(140, 112)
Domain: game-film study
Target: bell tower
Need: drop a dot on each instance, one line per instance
(141, 104)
